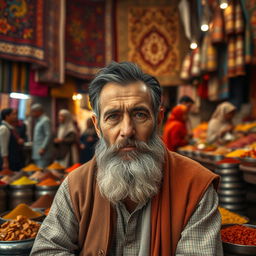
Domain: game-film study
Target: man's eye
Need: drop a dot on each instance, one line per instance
(113, 117)
(140, 115)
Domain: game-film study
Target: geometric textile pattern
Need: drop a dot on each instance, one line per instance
(22, 34)
(151, 34)
(89, 36)
(153, 39)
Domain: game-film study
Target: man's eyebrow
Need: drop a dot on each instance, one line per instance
(139, 109)
(116, 111)
(111, 111)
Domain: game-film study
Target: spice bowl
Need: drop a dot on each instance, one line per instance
(238, 249)
(21, 247)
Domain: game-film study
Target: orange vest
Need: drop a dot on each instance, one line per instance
(184, 184)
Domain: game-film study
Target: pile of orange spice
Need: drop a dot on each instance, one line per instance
(48, 182)
(24, 210)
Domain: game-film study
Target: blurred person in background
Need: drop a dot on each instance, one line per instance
(88, 140)
(42, 147)
(188, 102)
(11, 143)
(175, 132)
(220, 126)
(66, 140)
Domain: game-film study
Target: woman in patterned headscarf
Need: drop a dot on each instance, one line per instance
(66, 140)
(220, 122)
(175, 132)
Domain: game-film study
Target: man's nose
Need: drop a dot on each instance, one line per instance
(127, 127)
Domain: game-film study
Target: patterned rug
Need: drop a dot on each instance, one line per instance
(153, 39)
(55, 31)
(89, 37)
(22, 35)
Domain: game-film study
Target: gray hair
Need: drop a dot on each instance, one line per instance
(123, 73)
(37, 107)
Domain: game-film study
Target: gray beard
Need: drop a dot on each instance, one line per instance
(136, 174)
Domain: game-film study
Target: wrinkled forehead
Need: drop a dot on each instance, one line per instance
(133, 93)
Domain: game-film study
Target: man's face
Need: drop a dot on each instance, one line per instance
(12, 118)
(126, 113)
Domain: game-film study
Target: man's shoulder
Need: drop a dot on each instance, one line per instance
(83, 172)
(185, 165)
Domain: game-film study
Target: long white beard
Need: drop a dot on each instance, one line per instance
(136, 174)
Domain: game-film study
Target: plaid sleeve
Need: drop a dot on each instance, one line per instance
(58, 234)
(201, 235)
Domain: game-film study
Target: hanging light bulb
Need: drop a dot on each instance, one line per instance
(193, 45)
(223, 4)
(204, 27)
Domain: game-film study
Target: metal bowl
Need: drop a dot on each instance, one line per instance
(21, 247)
(248, 160)
(216, 158)
(238, 249)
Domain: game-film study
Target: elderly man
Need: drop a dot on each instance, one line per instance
(42, 148)
(134, 197)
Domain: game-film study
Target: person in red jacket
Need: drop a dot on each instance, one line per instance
(175, 132)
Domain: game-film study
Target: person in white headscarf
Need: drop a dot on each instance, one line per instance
(220, 123)
(66, 140)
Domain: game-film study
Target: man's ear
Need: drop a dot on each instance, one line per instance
(96, 125)
(160, 116)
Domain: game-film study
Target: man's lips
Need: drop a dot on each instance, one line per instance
(127, 148)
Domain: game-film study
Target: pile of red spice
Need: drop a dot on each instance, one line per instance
(6, 172)
(239, 234)
(229, 161)
(2, 183)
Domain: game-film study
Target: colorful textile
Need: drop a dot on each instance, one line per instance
(229, 17)
(251, 9)
(55, 22)
(14, 77)
(154, 40)
(217, 31)
(22, 34)
(186, 67)
(89, 36)
(195, 68)
(36, 88)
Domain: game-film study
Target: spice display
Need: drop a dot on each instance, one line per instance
(72, 168)
(6, 179)
(24, 210)
(48, 182)
(43, 202)
(57, 173)
(228, 217)
(55, 166)
(31, 168)
(239, 234)
(49, 175)
(19, 229)
(250, 153)
(23, 181)
(236, 153)
(242, 142)
(220, 151)
(37, 175)
(228, 161)
(6, 172)
(2, 182)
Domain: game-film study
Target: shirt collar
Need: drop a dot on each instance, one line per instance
(7, 124)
